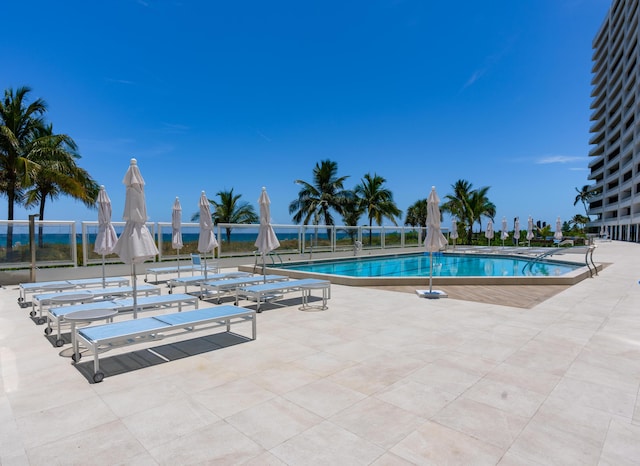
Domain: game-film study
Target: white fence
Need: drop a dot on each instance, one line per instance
(57, 243)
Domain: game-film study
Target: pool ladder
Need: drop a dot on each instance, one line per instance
(258, 262)
(588, 257)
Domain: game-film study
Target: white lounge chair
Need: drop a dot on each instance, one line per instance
(60, 285)
(196, 266)
(197, 279)
(40, 301)
(271, 291)
(220, 288)
(116, 334)
(56, 315)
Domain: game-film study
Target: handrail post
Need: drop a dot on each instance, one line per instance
(32, 246)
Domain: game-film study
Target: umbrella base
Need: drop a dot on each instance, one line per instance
(433, 294)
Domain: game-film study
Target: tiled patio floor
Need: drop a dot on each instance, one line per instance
(381, 378)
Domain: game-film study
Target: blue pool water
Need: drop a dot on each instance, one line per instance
(444, 265)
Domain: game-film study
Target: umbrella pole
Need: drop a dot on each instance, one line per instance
(135, 292)
(178, 262)
(264, 275)
(205, 266)
(430, 272)
(104, 278)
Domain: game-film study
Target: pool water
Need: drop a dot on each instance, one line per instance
(444, 265)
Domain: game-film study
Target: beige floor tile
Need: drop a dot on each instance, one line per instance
(543, 443)
(127, 401)
(273, 422)
(437, 444)
(161, 424)
(416, 398)
(57, 423)
(322, 364)
(611, 400)
(621, 447)
(283, 378)
(105, 444)
(538, 381)
(379, 422)
(235, 396)
(376, 373)
(484, 422)
(506, 397)
(327, 443)
(217, 443)
(324, 397)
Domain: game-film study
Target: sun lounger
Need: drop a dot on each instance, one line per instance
(117, 334)
(220, 288)
(195, 266)
(197, 279)
(56, 315)
(272, 291)
(40, 301)
(60, 285)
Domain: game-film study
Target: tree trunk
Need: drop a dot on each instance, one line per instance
(43, 198)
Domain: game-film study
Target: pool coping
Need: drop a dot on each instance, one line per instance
(570, 278)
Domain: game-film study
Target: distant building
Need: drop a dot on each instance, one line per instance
(615, 155)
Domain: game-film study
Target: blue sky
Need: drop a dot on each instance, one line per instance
(212, 95)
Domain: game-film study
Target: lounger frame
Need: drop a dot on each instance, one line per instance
(126, 333)
(82, 283)
(273, 291)
(56, 314)
(220, 288)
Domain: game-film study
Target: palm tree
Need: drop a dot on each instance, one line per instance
(579, 221)
(58, 173)
(351, 213)
(417, 214)
(230, 210)
(585, 195)
(468, 205)
(18, 123)
(376, 200)
(317, 200)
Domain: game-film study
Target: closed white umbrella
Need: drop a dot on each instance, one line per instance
(135, 245)
(489, 232)
(504, 233)
(267, 240)
(106, 238)
(454, 231)
(558, 234)
(530, 234)
(176, 229)
(603, 231)
(206, 240)
(434, 241)
(516, 230)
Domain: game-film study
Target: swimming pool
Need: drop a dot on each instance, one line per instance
(448, 268)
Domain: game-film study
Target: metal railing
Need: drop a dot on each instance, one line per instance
(57, 243)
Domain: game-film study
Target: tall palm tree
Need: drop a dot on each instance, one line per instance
(468, 205)
(317, 199)
(18, 123)
(351, 213)
(230, 210)
(585, 195)
(58, 173)
(417, 214)
(376, 200)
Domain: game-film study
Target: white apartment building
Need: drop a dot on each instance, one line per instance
(615, 132)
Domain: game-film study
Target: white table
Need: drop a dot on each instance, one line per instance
(87, 317)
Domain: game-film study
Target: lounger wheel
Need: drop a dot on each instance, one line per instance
(20, 299)
(98, 377)
(170, 291)
(47, 331)
(75, 357)
(32, 313)
(145, 280)
(41, 320)
(59, 342)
